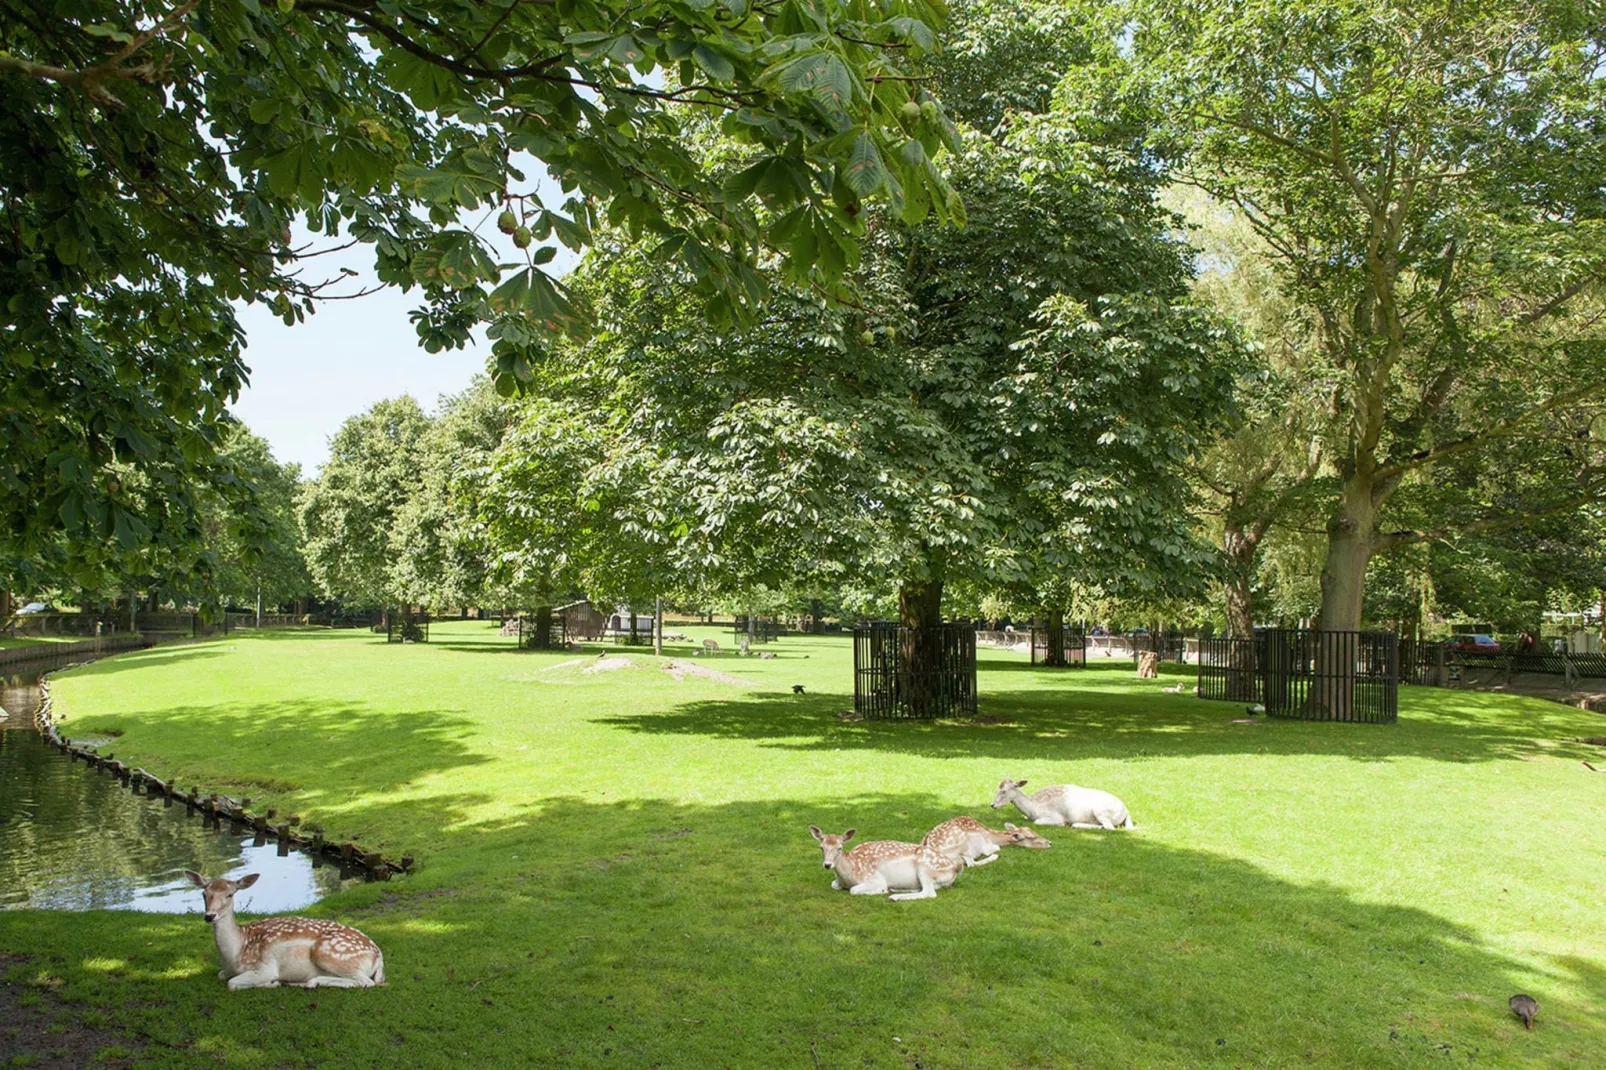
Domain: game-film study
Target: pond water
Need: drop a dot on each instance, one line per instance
(72, 838)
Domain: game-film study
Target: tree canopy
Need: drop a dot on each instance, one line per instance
(1428, 178)
(154, 155)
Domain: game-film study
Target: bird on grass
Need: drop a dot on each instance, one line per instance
(1524, 1007)
(797, 689)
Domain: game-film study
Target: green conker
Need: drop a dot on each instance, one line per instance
(507, 222)
(521, 237)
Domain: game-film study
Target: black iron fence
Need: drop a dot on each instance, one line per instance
(1307, 674)
(764, 631)
(1169, 647)
(905, 673)
(1231, 669)
(1073, 648)
(407, 628)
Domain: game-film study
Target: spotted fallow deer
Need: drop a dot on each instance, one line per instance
(1065, 804)
(913, 870)
(309, 952)
(974, 844)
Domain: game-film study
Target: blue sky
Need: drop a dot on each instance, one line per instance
(308, 379)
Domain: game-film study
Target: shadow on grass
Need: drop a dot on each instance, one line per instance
(658, 933)
(1061, 721)
(359, 755)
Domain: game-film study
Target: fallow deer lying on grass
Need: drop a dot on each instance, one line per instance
(1065, 804)
(914, 870)
(309, 952)
(969, 841)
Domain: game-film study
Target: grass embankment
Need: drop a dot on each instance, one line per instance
(13, 642)
(616, 868)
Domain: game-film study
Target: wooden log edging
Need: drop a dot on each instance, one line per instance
(215, 808)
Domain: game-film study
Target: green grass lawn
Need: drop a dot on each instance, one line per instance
(615, 869)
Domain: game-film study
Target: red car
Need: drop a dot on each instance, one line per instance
(1474, 644)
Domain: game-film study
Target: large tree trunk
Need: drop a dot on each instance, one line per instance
(542, 639)
(1054, 625)
(920, 659)
(1350, 544)
(816, 621)
(1350, 533)
(1242, 547)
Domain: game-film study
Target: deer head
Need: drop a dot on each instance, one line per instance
(219, 892)
(1019, 837)
(831, 844)
(1007, 789)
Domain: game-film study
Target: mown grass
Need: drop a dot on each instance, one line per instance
(615, 869)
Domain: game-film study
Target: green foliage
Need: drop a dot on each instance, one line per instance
(351, 514)
(153, 158)
(1012, 400)
(1427, 180)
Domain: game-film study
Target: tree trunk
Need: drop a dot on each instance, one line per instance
(1350, 546)
(634, 633)
(920, 659)
(1349, 552)
(658, 626)
(542, 639)
(1054, 626)
(816, 623)
(1242, 547)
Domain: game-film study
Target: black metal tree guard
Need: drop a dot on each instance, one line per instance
(1307, 674)
(1075, 648)
(914, 674)
(403, 627)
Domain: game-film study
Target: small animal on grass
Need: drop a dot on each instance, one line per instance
(1524, 1007)
(766, 656)
(1065, 804)
(309, 952)
(975, 844)
(797, 689)
(913, 870)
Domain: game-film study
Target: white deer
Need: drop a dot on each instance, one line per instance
(309, 952)
(1065, 804)
(915, 870)
(969, 841)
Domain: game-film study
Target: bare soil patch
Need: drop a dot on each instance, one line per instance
(680, 668)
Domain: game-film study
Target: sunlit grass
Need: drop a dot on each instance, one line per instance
(615, 867)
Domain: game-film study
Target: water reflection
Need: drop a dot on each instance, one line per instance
(74, 839)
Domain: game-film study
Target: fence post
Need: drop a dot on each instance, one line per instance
(1438, 666)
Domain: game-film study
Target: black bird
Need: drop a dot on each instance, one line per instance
(1525, 1007)
(797, 689)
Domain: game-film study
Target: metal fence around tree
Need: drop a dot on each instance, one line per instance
(914, 673)
(407, 628)
(1073, 648)
(1307, 674)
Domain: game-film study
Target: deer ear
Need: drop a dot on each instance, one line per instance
(247, 880)
(1020, 783)
(848, 835)
(195, 878)
(817, 833)
(1008, 827)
